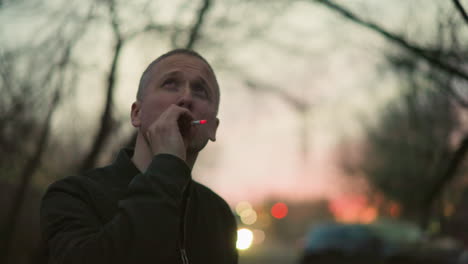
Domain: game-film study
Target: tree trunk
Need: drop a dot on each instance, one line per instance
(8, 228)
(106, 118)
(446, 177)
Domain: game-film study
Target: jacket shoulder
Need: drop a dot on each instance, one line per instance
(216, 200)
(78, 182)
(79, 185)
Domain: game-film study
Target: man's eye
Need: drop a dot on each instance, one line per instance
(169, 83)
(200, 89)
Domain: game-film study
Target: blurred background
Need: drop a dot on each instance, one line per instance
(344, 126)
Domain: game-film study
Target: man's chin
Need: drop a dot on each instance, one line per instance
(197, 145)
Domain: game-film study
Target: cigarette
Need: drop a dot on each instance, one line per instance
(198, 122)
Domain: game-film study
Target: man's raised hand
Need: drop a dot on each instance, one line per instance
(171, 132)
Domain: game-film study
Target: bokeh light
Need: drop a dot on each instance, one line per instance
(242, 206)
(279, 210)
(258, 236)
(244, 238)
(248, 216)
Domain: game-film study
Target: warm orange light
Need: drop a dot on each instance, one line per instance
(394, 209)
(449, 209)
(347, 209)
(279, 210)
(368, 215)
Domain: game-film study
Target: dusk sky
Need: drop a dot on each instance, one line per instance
(307, 51)
(257, 152)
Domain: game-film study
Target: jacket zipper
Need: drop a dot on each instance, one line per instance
(184, 256)
(183, 228)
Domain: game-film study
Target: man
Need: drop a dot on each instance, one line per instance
(145, 208)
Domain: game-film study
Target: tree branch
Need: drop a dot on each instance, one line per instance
(455, 95)
(460, 9)
(29, 170)
(395, 38)
(9, 227)
(449, 174)
(33, 163)
(147, 28)
(195, 31)
(298, 104)
(106, 118)
(448, 88)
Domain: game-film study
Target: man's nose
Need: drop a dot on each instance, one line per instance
(185, 99)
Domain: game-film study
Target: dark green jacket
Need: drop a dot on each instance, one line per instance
(116, 215)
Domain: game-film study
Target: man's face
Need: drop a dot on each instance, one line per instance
(186, 81)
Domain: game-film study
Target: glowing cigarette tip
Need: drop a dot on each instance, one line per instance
(198, 122)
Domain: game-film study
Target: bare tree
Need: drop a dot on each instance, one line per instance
(26, 136)
(446, 65)
(106, 123)
(460, 9)
(424, 53)
(34, 161)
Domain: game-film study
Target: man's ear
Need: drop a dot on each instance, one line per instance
(135, 114)
(212, 130)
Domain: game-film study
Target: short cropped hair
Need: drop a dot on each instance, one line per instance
(146, 76)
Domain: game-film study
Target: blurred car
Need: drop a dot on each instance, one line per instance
(342, 243)
(381, 242)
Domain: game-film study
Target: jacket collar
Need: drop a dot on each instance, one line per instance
(124, 167)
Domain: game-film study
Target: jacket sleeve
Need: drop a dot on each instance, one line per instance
(145, 229)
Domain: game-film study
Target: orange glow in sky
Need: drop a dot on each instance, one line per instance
(352, 209)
